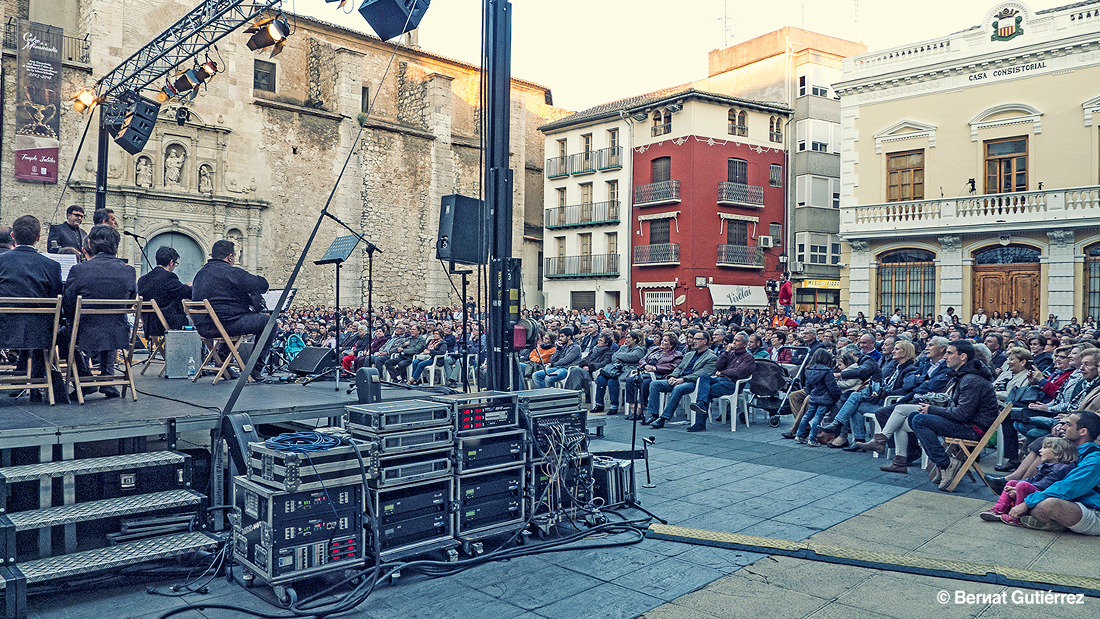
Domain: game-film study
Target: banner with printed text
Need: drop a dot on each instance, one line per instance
(38, 102)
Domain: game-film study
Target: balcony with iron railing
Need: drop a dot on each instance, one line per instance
(662, 192)
(73, 49)
(740, 194)
(588, 214)
(738, 130)
(557, 167)
(740, 256)
(656, 255)
(1077, 207)
(775, 136)
(584, 265)
(582, 163)
(609, 158)
(663, 129)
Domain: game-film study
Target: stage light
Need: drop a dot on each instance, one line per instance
(167, 93)
(84, 99)
(268, 32)
(182, 115)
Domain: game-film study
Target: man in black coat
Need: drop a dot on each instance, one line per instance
(69, 233)
(235, 296)
(164, 287)
(104, 276)
(26, 273)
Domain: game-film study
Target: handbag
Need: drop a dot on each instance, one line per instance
(422, 357)
(612, 370)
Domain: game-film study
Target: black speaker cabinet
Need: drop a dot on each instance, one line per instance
(390, 18)
(313, 360)
(461, 230)
(138, 125)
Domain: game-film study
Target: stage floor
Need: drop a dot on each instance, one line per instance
(193, 406)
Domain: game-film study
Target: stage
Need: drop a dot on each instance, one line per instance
(162, 402)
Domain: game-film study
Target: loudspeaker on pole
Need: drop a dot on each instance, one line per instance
(391, 18)
(461, 230)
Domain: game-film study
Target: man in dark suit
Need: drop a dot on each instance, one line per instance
(26, 273)
(104, 276)
(235, 296)
(69, 233)
(164, 287)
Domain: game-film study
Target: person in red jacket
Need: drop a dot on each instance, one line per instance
(786, 292)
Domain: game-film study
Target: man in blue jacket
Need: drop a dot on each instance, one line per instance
(1071, 503)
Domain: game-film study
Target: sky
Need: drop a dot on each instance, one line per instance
(593, 51)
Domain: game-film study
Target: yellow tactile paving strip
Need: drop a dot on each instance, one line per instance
(912, 564)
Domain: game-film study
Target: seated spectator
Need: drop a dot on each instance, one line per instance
(734, 363)
(623, 361)
(659, 361)
(403, 355)
(1058, 457)
(699, 361)
(435, 347)
(567, 355)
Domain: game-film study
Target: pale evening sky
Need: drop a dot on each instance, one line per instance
(593, 51)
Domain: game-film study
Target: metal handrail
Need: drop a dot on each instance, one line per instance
(590, 213)
(584, 265)
(740, 255)
(659, 253)
(657, 193)
(740, 193)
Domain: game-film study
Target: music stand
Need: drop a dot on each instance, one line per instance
(337, 253)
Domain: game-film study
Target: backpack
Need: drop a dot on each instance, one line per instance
(768, 378)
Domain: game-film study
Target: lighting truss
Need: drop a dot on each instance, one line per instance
(204, 26)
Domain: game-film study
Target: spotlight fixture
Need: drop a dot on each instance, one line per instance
(84, 99)
(195, 77)
(182, 115)
(268, 32)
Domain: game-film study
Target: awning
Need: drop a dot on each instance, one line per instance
(741, 296)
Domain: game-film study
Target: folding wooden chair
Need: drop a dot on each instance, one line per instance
(972, 449)
(213, 360)
(104, 307)
(150, 311)
(46, 307)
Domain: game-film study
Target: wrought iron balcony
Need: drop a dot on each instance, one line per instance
(663, 192)
(740, 194)
(775, 136)
(740, 256)
(609, 158)
(661, 129)
(584, 265)
(738, 130)
(557, 167)
(590, 214)
(1035, 210)
(73, 49)
(661, 253)
(582, 163)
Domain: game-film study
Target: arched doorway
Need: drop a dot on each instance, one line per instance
(191, 256)
(1006, 278)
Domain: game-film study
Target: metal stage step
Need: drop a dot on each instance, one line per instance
(46, 470)
(107, 508)
(131, 553)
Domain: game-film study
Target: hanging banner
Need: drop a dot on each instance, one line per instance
(38, 102)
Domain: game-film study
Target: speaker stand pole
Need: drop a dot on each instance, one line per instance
(465, 328)
(102, 160)
(339, 329)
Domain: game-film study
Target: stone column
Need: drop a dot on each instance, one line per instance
(438, 116)
(859, 279)
(1060, 279)
(255, 229)
(951, 275)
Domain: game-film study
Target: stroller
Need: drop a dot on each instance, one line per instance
(771, 385)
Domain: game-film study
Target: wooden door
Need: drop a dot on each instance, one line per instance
(1007, 287)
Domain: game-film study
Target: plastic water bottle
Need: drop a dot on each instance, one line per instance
(191, 368)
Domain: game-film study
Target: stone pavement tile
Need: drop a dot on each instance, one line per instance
(728, 520)
(739, 597)
(868, 471)
(1068, 553)
(786, 476)
(529, 590)
(671, 472)
(981, 550)
(710, 463)
(483, 605)
(910, 596)
(971, 527)
(725, 560)
(607, 601)
(755, 486)
(719, 476)
(815, 578)
(813, 516)
(676, 511)
(669, 579)
(1029, 611)
(126, 602)
(769, 507)
(707, 449)
(824, 485)
(779, 530)
(673, 611)
(664, 547)
(673, 489)
(668, 456)
(721, 496)
(605, 563)
(859, 498)
(836, 610)
(484, 574)
(785, 459)
(844, 540)
(890, 531)
(797, 492)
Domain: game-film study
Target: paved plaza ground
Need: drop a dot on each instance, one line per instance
(750, 482)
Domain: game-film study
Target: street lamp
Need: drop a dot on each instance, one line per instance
(782, 262)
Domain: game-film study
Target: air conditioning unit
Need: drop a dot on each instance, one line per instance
(797, 267)
(765, 242)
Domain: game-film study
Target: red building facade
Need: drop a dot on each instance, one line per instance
(708, 209)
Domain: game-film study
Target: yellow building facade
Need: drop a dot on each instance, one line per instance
(970, 169)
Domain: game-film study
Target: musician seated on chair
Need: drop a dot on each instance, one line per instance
(234, 294)
(26, 273)
(971, 411)
(164, 287)
(103, 276)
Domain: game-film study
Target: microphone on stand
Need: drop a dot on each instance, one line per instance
(136, 236)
